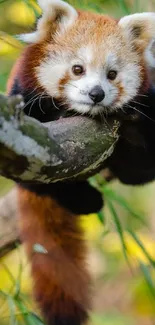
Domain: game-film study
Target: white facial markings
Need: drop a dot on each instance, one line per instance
(86, 54)
(96, 75)
(51, 71)
(77, 88)
(131, 81)
(111, 62)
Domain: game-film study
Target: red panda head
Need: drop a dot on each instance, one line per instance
(91, 61)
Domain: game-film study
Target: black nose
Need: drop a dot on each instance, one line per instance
(97, 94)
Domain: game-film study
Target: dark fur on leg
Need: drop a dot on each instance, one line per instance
(133, 159)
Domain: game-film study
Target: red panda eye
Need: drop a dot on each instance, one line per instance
(78, 69)
(112, 74)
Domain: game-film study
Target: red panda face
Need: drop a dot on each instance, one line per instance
(93, 63)
(93, 69)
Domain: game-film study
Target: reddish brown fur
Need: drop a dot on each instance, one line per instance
(121, 91)
(26, 65)
(145, 78)
(60, 278)
(34, 54)
(63, 82)
(89, 26)
(14, 72)
(61, 282)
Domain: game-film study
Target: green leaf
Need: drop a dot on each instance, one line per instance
(37, 320)
(25, 313)
(101, 216)
(109, 193)
(12, 310)
(138, 241)
(148, 278)
(125, 7)
(119, 229)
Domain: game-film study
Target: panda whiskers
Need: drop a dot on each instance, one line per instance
(35, 89)
(40, 99)
(38, 96)
(73, 85)
(137, 110)
(30, 101)
(33, 101)
(142, 95)
(53, 102)
(140, 104)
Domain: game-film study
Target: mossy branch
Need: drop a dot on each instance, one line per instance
(72, 147)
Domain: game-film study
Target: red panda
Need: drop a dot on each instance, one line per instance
(94, 65)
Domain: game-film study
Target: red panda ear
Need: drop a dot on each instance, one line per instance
(57, 15)
(139, 29)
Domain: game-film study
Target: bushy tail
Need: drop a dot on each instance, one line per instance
(55, 247)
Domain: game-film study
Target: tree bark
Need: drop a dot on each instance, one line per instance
(68, 148)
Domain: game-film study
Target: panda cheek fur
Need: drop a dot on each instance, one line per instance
(63, 82)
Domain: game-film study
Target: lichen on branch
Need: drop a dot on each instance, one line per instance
(68, 148)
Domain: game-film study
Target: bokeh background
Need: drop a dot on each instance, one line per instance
(121, 239)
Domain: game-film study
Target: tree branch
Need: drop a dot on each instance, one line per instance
(66, 148)
(35, 152)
